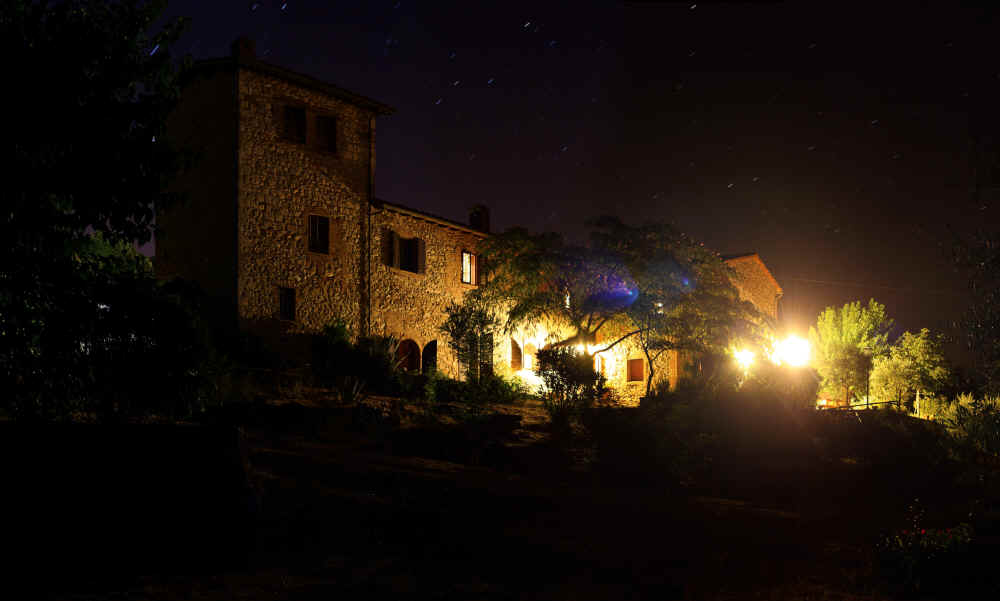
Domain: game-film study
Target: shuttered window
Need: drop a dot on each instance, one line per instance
(319, 234)
(407, 254)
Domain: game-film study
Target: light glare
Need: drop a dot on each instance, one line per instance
(744, 358)
(793, 351)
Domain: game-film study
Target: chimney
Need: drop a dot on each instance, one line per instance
(244, 49)
(479, 218)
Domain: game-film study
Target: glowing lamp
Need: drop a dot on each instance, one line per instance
(744, 358)
(793, 351)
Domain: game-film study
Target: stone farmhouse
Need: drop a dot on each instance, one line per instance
(282, 229)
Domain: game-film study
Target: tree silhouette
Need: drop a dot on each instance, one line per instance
(93, 91)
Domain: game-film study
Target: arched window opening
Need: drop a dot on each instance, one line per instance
(408, 355)
(430, 358)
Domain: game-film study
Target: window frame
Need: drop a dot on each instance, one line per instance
(320, 228)
(286, 131)
(628, 370)
(473, 268)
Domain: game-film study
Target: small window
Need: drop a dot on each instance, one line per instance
(286, 304)
(469, 268)
(409, 254)
(636, 370)
(295, 124)
(326, 133)
(319, 234)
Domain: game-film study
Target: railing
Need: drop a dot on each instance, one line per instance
(858, 406)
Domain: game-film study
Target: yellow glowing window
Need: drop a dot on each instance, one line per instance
(468, 267)
(636, 370)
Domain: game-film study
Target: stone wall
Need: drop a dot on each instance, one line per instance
(411, 305)
(612, 363)
(196, 237)
(245, 233)
(755, 283)
(280, 184)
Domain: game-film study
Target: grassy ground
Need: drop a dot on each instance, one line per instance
(453, 506)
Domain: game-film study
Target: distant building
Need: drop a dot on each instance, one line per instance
(283, 230)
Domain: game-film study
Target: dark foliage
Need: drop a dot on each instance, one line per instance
(979, 259)
(80, 314)
(490, 389)
(337, 361)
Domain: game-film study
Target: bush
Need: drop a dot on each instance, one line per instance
(372, 360)
(924, 559)
(571, 384)
(975, 423)
(790, 387)
(488, 389)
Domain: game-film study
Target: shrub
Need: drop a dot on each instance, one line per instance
(920, 558)
(975, 423)
(372, 360)
(571, 384)
(488, 389)
(790, 387)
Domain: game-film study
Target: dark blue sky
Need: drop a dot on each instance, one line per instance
(833, 140)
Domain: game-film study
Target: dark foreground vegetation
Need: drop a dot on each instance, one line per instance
(307, 497)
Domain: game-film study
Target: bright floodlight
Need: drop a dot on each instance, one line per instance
(793, 351)
(744, 358)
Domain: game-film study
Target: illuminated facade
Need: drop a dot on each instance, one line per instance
(283, 231)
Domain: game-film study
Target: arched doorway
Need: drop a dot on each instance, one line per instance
(429, 361)
(408, 355)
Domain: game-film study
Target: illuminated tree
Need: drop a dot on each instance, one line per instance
(650, 284)
(469, 330)
(844, 343)
(915, 365)
(684, 300)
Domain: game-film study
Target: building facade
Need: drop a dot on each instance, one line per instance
(282, 229)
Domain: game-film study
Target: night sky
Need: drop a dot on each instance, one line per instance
(838, 142)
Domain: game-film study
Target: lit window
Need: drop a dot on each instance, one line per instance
(468, 267)
(636, 370)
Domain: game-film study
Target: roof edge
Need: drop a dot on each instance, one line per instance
(756, 257)
(306, 81)
(398, 208)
